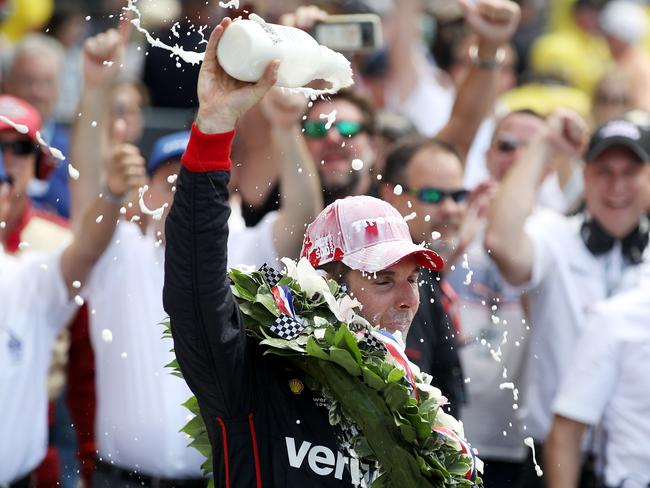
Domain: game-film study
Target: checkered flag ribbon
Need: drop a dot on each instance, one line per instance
(286, 327)
(370, 342)
(271, 276)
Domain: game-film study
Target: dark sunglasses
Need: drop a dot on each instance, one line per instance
(19, 148)
(507, 144)
(436, 195)
(346, 128)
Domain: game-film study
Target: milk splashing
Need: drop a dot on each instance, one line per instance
(398, 190)
(190, 57)
(107, 335)
(73, 172)
(57, 154)
(230, 4)
(155, 214)
(357, 164)
(331, 118)
(340, 79)
(20, 128)
(530, 443)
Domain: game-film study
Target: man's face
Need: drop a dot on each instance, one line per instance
(127, 105)
(615, 185)
(390, 298)
(35, 79)
(333, 153)
(434, 168)
(20, 160)
(512, 135)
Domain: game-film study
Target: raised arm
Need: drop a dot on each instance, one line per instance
(494, 22)
(209, 339)
(563, 453)
(301, 196)
(125, 171)
(505, 238)
(101, 64)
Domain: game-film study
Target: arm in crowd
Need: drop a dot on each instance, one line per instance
(89, 141)
(563, 454)
(505, 238)
(301, 195)
(209, 337)
(494, 22)
(124, 171)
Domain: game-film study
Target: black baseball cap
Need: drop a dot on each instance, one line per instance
(621, 131)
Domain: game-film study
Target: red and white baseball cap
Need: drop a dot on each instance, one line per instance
(25, 116)
(366, 234)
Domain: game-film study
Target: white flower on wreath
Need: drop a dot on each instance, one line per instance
(311, 282)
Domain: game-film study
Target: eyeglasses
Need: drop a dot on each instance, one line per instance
(436, 195)
(316, 129)
(19, 148)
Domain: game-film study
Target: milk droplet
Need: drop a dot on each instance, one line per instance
(78, 300)
(73, 172)
(93, 123)
(99, 219)
(123, 355)
(357, 164)
(398, 190)
(171, 179)
(107, 335)
(435, 235)
(76, 284)
(87, 17)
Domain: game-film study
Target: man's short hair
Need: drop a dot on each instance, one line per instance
(36, 43)
(364, 105)
(402, 152)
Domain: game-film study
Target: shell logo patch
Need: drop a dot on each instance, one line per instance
(296, 386)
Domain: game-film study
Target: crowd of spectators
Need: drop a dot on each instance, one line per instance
(513, 136)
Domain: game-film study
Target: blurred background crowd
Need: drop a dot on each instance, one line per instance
(516, 146)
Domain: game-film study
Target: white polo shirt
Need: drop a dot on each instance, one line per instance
(608, 384)
(139, 410)
(567, 281)
(34, 307)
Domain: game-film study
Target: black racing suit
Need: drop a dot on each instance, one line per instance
(266, 427)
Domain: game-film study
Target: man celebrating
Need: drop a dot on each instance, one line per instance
(569, 263)
(262, 433)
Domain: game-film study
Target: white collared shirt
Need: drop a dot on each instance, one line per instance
(567, 281)
(139, 410)
(608, 382)
(34, 307)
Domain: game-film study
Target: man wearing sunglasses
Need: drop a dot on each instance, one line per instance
(336, 145)
(38, 295)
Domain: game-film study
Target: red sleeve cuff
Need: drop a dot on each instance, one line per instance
(208, 152)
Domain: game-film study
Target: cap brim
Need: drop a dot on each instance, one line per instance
(385, 254)
(605, 144)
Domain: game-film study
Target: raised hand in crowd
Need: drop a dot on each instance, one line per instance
(494, 22)
(563, 136)
(304, 17)
(102, 59)
(124, 171)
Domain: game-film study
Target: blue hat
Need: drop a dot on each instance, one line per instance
(171, 146)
